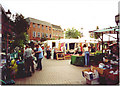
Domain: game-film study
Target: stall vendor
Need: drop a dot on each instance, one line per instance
(79, 50)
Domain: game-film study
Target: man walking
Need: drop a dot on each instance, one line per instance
(40, 56)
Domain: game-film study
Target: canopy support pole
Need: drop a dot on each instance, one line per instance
(102, 42)
(118, 41)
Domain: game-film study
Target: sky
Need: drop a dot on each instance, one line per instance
(86, 14)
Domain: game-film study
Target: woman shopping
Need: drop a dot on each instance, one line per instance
(86, 52)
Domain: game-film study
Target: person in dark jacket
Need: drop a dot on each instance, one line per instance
(48, 52)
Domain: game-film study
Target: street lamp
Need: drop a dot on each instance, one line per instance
(117, 21)
(8, 14)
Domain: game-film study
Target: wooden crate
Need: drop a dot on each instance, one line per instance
(67, 56)
(60, 56)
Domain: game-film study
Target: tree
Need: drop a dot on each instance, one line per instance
(97, 35)
(59, 37)
(20, 30)
(72, 33)
(81, 28)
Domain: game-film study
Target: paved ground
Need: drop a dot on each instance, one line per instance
(55, 72)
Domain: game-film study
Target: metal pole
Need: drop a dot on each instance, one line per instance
(102, 42)
(118, 42)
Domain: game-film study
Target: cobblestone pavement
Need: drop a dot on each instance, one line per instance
(55, 72)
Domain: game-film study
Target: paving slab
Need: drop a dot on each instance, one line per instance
(55, 72)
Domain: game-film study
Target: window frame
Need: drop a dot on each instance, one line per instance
(33, 25)
(38, 25)
(42, 27)
(46, 35)
(38, 35)
(34, 34)
(46, 28)
(49, 28)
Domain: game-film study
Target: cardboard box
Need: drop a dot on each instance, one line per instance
(93, 68)
(90, 75)
(94, 81)
(100, 70)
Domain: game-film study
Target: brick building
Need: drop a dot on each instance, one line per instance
(57, 32)
(6, 30)
(41, 29)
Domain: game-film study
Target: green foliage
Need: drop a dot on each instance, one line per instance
(72, 33)
(97, 35)
(26, 37)
(21, 43)
(91, 36)
(20, 30)
(59, 38)
(53, 38)
(97, 28)
(21, 24)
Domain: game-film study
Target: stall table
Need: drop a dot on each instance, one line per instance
(67, 56)
(79, 60)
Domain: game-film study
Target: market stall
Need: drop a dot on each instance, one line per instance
(77, 60)
(94, 59)
(60, 55)
(108, 31)
(108, 68)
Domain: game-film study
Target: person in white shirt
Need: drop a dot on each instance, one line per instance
(86, 51)
(28, 59)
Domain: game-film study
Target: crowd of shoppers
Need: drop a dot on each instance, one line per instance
(30, 55)
(21, 62)
(34, 53)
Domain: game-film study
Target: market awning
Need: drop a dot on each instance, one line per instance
(113, 30)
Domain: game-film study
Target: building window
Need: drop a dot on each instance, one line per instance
(42, 34)
(38, 35)
(33, 25)
(49, 28)
(50, 35)
(38, 25)
(34, 34)
(42, 27)
(46, 27)
(46, 35)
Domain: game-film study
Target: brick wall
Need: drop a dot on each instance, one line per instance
(57, 34)
(49, 31)
(38, 28)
